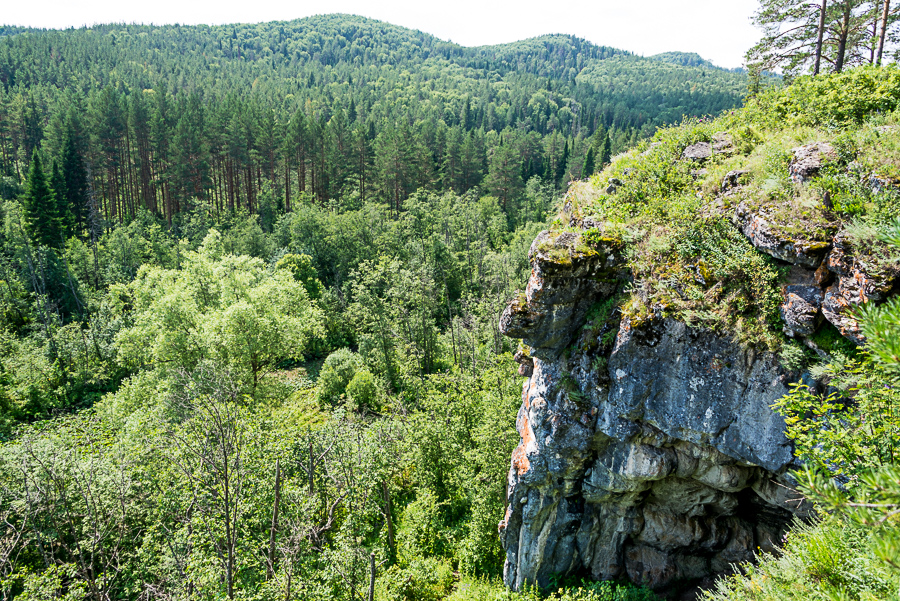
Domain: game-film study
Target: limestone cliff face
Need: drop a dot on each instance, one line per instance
(656, 457)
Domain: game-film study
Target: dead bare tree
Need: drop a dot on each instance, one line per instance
(75, 503)
(208, 435)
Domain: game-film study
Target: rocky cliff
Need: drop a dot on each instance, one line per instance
(650, 451)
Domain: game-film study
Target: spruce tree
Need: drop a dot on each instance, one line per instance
(605, 153)
(588, 169)
(76, 185)
(58, 188)
(40, 206)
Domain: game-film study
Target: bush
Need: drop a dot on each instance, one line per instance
(826, 561)
(336, 374)
(486, 590)
(303, 270)
(424, 579)
(478, 552)
(423, 529)
(362, 391)
(842, 99)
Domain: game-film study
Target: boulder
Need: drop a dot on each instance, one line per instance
(732, 179)
(699, 152)
(722, 143)
(801, 309)
(809, 159)
(526, 364)
(764, 236)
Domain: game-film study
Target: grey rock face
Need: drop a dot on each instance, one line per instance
(766, 238)
(559, 292)
(698, 152)
(808, 160)
(662, 464)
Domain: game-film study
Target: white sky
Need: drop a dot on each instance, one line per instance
(718, 30)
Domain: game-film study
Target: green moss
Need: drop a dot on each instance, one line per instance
(674, 230)
(829, 339)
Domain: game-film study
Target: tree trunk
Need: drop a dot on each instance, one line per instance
(270, 569)
(884, 24)
(372, 577)
(845, 33)
(821, 36)
(311, 467)
(388, 518)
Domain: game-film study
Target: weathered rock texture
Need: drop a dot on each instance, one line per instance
(756, 225)
(660, 461)
(657, 458)
(809, 159)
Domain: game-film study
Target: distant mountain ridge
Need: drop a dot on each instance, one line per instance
(174, 113)
(512, 55)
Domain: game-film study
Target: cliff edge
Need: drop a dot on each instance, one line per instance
(680, 294)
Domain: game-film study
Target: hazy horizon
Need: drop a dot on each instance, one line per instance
(647, 28)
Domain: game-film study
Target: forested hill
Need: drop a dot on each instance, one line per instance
(165, 117)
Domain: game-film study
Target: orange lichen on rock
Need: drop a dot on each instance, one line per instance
(520, 458)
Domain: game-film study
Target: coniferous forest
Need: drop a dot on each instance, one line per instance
(339, 108)
(250, 283)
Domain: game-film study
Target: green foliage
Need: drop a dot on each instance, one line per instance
(881, 325)
(362, 391)
(807, 37)
(335, 108)
(838, 100)
(41, 207)
(219, 307)
(426, 579)
(670, 87)
(850, 431)
(301, 267)
(825, 561)
(53, 583)
(483, 590)
(336, 374)
(424, 528)
(793, 356)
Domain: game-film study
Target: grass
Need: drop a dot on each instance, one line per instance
(493, 590)
(687, 259)
(827, 561)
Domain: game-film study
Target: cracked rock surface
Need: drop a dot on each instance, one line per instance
(661, 462)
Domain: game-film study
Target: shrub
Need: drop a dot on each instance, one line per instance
(424, 579)
(820, 562)
(336, 374)
(423, 529)
(362, 391)
(842, 99)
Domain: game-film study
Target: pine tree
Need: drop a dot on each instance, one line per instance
(799, 35)
(40, 206)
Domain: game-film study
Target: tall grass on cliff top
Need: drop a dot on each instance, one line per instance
(676, 220)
